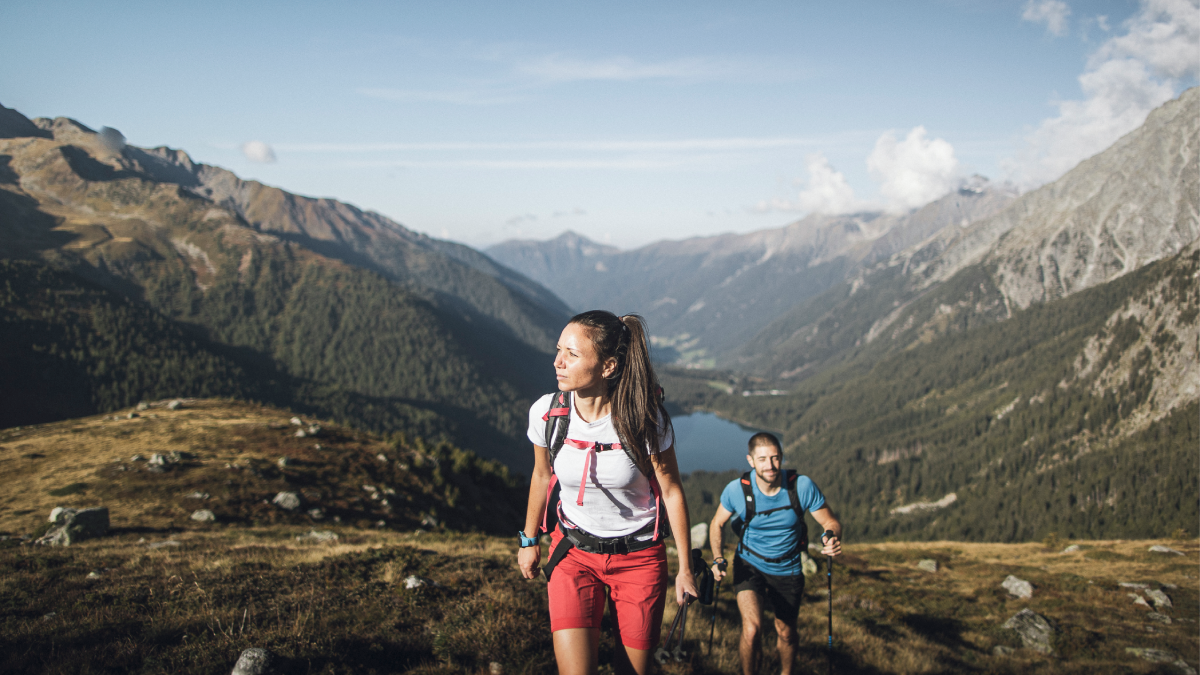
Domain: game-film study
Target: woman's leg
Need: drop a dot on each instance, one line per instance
(631, 661)
(637, 592)
(577, 650)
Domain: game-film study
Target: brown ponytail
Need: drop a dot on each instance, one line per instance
(638, 413)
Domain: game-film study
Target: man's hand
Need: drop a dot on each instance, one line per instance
(527, 560)
(832, 544)
(718, 569)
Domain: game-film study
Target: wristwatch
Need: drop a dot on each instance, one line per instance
(719, 563)
(526, 542)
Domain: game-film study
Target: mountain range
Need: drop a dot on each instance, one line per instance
(305, 302)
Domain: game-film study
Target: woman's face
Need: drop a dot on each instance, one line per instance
(577, 366)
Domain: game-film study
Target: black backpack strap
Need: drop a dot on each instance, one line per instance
(801, 524)
(558, 421)
(560, 551)
(738, 523)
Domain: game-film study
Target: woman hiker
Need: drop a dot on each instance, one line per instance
(605, 443)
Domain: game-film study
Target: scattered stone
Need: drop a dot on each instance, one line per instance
(159, 460)
(495, 668)
(1018, 587)
(432, 521)
(928, 564)
(93, 575)
(1034, 630)
(1073, 548)
(381, 523)
(289, 501)
(1164, 549)
(154, 546)
(175, 405)
(369, 488)
(388, 491)
(256, 661)
(316, 513)
(1161, 618)
(142, 405)
(285, 462)
(1160, 599)
(415, 581)
(60, 513)
(808, 565)
(296, 421)
(1152, 655)
(77, 526)
(1168, 586)
(699, 535)
(50, 616)
(318, 535)
(300, 433)
(1138, 600)
(382, 457)
(1129, 584)
(318, 447)
(131, 415)
(137, 458)
(1002, 650)
(314, 429)
(204, 516)
(198, 495)
(402, 466)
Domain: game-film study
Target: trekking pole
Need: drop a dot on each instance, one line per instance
(713, 626)
(829, 578)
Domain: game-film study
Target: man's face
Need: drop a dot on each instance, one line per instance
(766, 460)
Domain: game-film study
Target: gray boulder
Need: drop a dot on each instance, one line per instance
(1164, 549)
(1018, 587)
(1035, 632)
(289, 501)
(60, 513)
(257, 661)
(204, 516)
(1160, 599)
(699, 535)
(77, 526)
(929, 565)
(175, 405)
(808, 565)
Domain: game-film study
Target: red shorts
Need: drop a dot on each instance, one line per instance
(637, 589)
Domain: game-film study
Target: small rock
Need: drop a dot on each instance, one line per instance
(316, 513)
(415, 582)
(807, 565)
(50, 616)
(159, 460)
(300, 433)
(285, 462)
(77, 526)
(1164, 549)
(1002, 650)
(314, 429)
(154, 546)
(137, 458)
(388, 491)
(198, 495)
(1161, 618)
(296, 421)
(60, 513)
(381, 523)
(1018, 587)
(93, 575)
(699, 535)
(318, 447)
(289, 501)
(369, 488)
(432, 521)
(1160, 599)
(131, 415)
(1130, 584)
(1152, 655)
(1167, 586)
(928, 565)
(142, 405)
(1073, 548)
(204, 516)
(175, 405)
(1138, 600)
(256, 661)
(495, 668)
(321, 535)
(382, 457)
(1034, 630)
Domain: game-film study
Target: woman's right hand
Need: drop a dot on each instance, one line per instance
(527, 560)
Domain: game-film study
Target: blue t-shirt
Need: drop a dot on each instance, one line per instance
(773, 534)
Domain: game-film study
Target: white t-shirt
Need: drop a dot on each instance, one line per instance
(617, 499)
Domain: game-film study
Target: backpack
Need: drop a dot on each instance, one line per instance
(558, 421)
(739, 524)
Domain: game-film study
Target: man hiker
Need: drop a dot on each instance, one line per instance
(767, 506)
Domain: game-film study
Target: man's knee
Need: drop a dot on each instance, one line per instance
(787, 632)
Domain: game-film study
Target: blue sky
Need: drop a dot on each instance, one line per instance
(627, 123)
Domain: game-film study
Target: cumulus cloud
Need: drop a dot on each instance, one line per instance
(1053, 13)
(1126, 77)
(825, 191)
(915, 171)
(257, 151)
(112, 139)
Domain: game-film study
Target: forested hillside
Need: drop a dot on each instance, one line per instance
(230, 309)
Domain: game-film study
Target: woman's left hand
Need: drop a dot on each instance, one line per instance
(685, 583)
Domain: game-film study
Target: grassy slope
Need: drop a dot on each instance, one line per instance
(342, 606)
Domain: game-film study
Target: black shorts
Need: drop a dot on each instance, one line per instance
(782, 593)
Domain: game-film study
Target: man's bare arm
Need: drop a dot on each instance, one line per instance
(829, 523)
(716, 537)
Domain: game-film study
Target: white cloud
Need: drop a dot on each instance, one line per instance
(825, 191)
(1127, 77)
(915, 171)
(257, 151)
(1053, 13)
